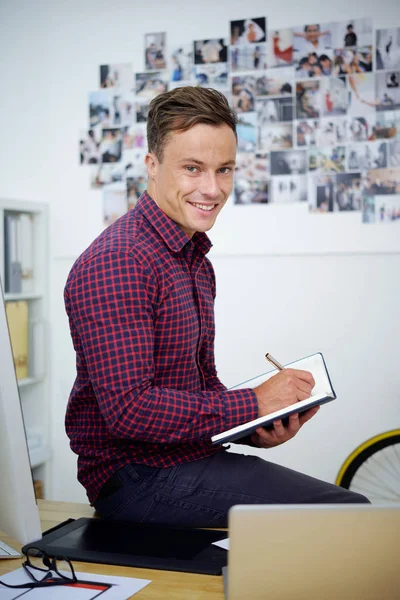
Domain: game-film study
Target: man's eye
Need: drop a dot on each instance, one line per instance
(225, 170)
(191, 169)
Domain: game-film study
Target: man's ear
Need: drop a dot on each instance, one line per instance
(151, 162)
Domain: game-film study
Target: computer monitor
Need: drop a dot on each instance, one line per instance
(19, 515)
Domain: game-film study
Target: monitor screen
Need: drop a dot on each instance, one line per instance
(19, 515)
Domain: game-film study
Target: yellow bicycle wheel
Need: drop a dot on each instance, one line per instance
(373, 469)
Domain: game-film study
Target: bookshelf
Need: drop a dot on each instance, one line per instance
(24, 266)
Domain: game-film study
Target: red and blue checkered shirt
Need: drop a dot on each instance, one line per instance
(140, 302)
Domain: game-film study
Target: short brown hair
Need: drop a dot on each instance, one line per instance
(182, 108)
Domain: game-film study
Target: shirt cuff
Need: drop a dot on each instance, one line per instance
(240, 406)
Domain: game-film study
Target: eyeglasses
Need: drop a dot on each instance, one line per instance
(38, 562)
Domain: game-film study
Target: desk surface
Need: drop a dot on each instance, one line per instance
(171, 585)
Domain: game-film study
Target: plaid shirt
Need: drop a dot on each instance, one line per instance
(140, 302)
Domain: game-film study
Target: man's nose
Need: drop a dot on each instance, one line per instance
(210, 187)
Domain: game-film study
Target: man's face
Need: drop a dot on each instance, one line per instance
(312, 33)
(195, 177)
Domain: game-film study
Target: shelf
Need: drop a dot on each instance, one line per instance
(24, 243)
(22, 296)
(29, 381)
(39, 456)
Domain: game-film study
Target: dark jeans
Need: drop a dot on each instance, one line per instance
(200, 493)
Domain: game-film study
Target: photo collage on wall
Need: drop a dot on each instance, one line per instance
(318, 109)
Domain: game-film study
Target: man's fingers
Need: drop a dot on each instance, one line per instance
(302, 395)
(308, 414)
(304, 376)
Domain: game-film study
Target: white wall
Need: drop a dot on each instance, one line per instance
(286, 301)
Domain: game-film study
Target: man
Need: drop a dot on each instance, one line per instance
(312, 39)
(147, 398)
(350, 39)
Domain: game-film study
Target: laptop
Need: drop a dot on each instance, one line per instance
(299, 552)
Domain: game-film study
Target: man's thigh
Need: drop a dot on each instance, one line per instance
(200, 493)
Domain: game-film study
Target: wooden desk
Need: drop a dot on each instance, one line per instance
(165, 585)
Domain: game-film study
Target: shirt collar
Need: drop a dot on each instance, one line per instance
(174, 237)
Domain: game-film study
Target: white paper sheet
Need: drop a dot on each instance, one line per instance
(107, 587)
(222, 543)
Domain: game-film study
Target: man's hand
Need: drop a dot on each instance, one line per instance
(268, 438)
(287, 387)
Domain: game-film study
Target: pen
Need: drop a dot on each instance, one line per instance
(274, 362)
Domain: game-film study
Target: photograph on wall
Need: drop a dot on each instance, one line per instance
(116, 76)
(127, 137)
(251, 178)
(243, 93)
(142, 110)
(332, 131)
(315, 65)
(361, 94)
(251, 166)
(138, 134)
(276, 82)
(352, 33)
(212, 76)
(334, 96)
(361, 129)
(348, 191)
(327, 160)
(115, 203)
(310, 38)
(382, 181)
(306, 132)
(111, 145)
(308, 100)
(149, 85)
(387, 125)
(248, 31)
(154, 53)
(368, 208)
(247, 130)
(135, 186)
(133, 162)
(366, 156)
(388, 90)
(100, 108)
(394, 154)
(290, 162)
(322, 193)
(286, 189)
(352, 60)
(273, 136)
(280, 48)
(251, 192)
(122, 105)
(89, 147)
(181, 62)
(106, 173)
(248, 58)
(274, 110)
(388, 48)
(381, 209)
(210, 51)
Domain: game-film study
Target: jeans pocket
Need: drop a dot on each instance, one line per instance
(131, 480)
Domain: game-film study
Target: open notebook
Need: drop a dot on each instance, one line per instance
(322, 392)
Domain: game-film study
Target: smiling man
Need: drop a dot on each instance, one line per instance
(140, 302)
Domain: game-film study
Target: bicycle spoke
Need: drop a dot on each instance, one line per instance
(378, 477)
